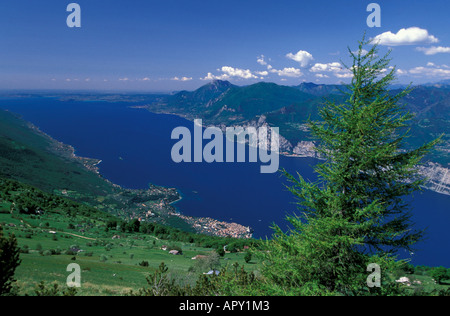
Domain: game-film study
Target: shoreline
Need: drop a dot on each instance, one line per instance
(95, 165)
(435, 183)
(205, 225)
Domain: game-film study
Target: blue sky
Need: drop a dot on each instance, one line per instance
(172, 45)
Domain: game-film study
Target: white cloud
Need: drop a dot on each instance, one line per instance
(124, 79)
(384, 70)
(231, 72)
(433, 50)
(288, 72)
(431, 70)
(181, 79)
(261, 60)
(330, 67)
(409, 36)
(302, 57)
(344, 75)
(364, 52)
(210, 77)
(262, 73)
(335, 68)
(236, 72)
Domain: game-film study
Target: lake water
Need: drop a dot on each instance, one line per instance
(135, 148)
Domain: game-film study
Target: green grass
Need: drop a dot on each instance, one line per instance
(111, 267)
(117, 275)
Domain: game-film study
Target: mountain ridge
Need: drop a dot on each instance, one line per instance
(290, 107)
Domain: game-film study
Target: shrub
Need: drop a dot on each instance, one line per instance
(439, 274)
(144, 264)
(25, 249)
(9, 258)
(248, 257)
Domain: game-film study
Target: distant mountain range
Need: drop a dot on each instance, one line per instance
(221, 103)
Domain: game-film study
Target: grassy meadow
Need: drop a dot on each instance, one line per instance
(108, 266)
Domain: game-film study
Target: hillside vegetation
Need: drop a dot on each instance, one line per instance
(115, 256)
(290, 107)
(34, 158)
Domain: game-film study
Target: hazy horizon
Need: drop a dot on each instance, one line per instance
(179, 45)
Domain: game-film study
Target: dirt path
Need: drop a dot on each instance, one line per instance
(76, 235)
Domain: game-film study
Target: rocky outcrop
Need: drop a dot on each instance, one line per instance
(305, 149)
(437, 175)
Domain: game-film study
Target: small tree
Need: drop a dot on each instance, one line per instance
(220, 251)
(439, 274)
(43, 289)
(134, 225)
(9, 261)
(206, 263)
(354, 214)
(248, 257)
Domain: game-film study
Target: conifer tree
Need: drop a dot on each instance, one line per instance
(355, 212)
(9, 261)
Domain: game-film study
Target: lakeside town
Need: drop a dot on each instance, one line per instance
(209, 226)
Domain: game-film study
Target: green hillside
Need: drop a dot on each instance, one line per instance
(28, 155)
(34, 158)
(321, 90)
(289, 108)
(62, 212)
(192, 103)
(115, 256)
(239, 105)
(431, 106)
(220, 102)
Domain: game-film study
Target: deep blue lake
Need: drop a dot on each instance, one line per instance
(135, 148)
